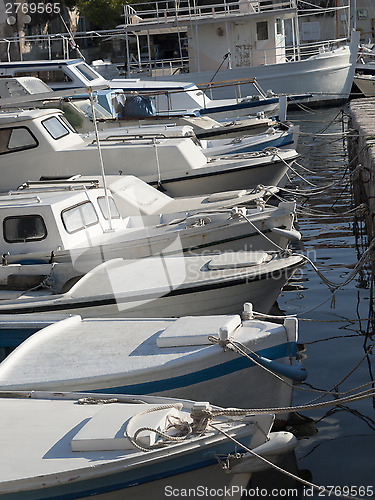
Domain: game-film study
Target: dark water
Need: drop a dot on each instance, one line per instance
(341, 453)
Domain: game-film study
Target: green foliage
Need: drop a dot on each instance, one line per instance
(103, 14)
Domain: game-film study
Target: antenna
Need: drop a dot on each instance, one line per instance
(74, 44)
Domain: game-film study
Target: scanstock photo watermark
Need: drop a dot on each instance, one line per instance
(236, 491)
(233, 491)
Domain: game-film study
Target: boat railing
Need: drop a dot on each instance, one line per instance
(167, 66)
(48, 44)
(314, 48)
(293, 53)
(162, 12)
(210, 87)
(141, 137)
(11, 200)
(207, 89)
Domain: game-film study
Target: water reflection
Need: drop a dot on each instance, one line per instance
(339, 339)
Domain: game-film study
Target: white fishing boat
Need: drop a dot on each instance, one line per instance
(280, 135)
(76, 446)
(366, 84)
(232, 41)
(134, 98)
(163, 286)
(364, 77)
(221, 358)
(16, 92)
(68, 222)
(44, 140)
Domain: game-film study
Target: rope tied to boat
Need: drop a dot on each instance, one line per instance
(155, 143)
(240, 348)
(173, 422)
(49, 282)
(238, 212)
(320, 489)
(334, 287)
(166, 438)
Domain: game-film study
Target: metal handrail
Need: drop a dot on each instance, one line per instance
(172, 9)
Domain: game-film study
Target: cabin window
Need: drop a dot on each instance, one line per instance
(55, 128)
(79, 217)
(67, 124)
(47, 76)
(115, 214)
(16, 139)
(24, 228)
(86, 71)
(262, 30)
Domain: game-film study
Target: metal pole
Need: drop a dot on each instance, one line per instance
(127, 41)
(100, 157)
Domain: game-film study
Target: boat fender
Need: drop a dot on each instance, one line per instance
(291, 234)
(279, 443)
(296, 372)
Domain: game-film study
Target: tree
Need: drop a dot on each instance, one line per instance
(102, 14)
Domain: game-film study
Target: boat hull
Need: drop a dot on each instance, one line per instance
(327, 76)
(366, 84)
(216, 296)
(247, 175)
(50, 469)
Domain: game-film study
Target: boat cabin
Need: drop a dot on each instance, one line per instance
(55, 219)
(211, 34)
(177, 97)
(58, 74)
(41, 143)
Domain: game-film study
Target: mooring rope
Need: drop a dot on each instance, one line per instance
(321, 489)
(241, 349)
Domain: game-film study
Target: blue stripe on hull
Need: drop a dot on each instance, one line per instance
(216, 371)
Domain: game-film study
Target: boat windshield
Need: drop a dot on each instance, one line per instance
(87, 72)
(102, 202)
(47, 76)
(55, 128)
